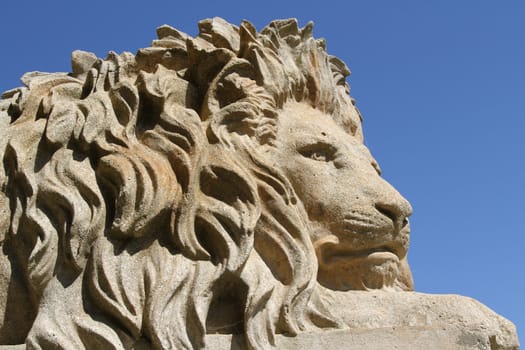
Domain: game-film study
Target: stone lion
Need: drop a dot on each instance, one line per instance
(216, 184)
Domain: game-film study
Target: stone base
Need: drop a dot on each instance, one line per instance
(381, 320)
(398, 320)
(406, 338)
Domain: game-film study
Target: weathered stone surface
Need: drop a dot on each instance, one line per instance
(81, 62)
(408, 320)
(401, 338)
(206, 187)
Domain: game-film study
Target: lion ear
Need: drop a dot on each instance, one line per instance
(220, 217)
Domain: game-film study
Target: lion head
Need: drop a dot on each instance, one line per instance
(205, 185)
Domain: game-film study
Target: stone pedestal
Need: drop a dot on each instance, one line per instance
(406, 320)
(405, 338)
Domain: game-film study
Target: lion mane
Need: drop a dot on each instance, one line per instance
(139, 200)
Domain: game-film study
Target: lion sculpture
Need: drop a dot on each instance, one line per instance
(216, 184)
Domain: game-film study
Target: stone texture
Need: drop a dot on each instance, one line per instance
(408, 320)
(203, 190)
(402, 338)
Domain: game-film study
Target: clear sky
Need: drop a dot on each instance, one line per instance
(441, 85)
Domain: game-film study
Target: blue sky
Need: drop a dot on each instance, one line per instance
(441, 85)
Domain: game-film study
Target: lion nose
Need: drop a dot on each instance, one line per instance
(398, 210)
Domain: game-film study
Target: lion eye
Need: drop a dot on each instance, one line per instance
(320, 156)
(320, 152)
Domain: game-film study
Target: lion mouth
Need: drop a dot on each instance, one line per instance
(335, 255)
(331, 251)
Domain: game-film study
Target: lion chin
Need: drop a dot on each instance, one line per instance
(366, 269)
(147, 193)
(377, 270)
